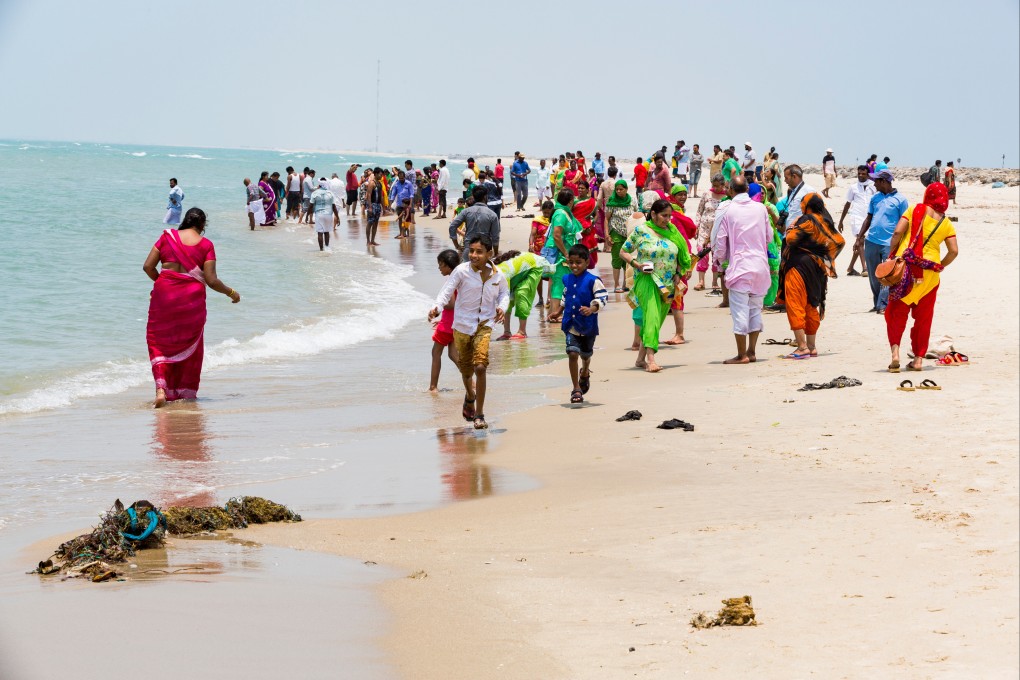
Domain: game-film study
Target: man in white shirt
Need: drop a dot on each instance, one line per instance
(747, 164)
(858, 199)
(794, 177)
(442, 185)
(483, 296)
(828, 171)
(542, 182)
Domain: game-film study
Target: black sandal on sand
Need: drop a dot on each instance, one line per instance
(575, 397)
(906, 386)
(786, 341)
(584, 382)
(480, 423)
(629, 415)
(468, 411)
(928, 384)
(894, 367)
(675, 424)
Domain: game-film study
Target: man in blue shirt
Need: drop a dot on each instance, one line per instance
(519, 171)
(402, 196)
(884, 212)
(599, 166)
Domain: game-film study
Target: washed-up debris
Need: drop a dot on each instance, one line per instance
(122, 531)
(835, 383)
(736, 611)
(629, 415)
(675, 424)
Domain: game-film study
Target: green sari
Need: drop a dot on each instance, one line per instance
(775, 250)
(653, 292)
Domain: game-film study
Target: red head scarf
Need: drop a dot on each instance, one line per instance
(935, 195)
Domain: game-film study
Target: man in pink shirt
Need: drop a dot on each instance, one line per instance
(658, 176)
(742, 241)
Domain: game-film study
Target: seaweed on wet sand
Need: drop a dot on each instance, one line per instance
(122, 531)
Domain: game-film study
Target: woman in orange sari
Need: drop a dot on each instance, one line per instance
(810, 249)
(176, 328)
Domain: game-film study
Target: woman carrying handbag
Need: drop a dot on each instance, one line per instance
(916, 249)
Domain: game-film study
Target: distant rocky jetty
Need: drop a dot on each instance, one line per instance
(1008, 176)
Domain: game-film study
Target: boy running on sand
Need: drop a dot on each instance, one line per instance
(443, 334)
(583, 297)
(482, 300)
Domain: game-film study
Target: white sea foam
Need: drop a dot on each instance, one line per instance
(137, 153)
(189, 155)
(387, 289)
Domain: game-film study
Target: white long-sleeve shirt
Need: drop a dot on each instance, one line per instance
(477, 301)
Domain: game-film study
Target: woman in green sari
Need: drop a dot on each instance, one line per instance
(765, 194)
(659, 255)
(564, 233)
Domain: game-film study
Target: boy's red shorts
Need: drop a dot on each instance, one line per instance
(444, 338)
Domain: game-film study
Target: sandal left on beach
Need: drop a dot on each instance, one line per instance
(906, 386)
(959, 359)
(928, 384)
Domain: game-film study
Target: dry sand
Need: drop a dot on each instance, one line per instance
(876, 530)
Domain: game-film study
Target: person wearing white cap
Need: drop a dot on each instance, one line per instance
(748, 162)
(828, 171)
(323, 205)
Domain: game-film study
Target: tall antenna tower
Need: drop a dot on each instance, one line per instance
(377, 80)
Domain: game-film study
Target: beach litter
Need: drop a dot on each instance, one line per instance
(674, 424)
(736, 611)
(629, 415)
(122, 531)
(840, 382)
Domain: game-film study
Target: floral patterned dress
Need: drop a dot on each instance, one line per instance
(652, 293)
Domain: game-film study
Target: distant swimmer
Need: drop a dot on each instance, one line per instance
(174, 205)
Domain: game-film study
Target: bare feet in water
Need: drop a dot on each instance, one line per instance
(160, 399)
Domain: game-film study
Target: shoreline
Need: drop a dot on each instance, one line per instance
(629, 535)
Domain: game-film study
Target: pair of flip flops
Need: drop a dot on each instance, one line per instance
(674, 424)
(954, 359)
(908, 386)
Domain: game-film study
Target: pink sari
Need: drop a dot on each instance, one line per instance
(176, 327)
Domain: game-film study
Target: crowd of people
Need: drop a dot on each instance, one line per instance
(765, 234)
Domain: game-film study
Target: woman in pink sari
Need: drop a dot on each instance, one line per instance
(176, 328)
(269, 201)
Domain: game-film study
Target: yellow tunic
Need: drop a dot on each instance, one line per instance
(932, 251)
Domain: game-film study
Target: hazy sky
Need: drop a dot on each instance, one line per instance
(912, 80)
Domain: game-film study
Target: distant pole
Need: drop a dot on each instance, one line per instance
(377, 79)
(1003, 160)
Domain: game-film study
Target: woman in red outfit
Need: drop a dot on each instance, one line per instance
(918, 239)
(176, 329)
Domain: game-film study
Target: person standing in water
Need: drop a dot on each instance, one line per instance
(174, 204)
(323, 207)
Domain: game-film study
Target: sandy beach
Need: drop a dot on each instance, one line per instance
(876, 530)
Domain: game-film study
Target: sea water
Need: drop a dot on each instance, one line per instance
(313, 386)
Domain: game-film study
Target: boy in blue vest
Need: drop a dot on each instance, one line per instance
(583, 297)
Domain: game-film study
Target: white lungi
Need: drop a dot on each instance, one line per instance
(745, 309)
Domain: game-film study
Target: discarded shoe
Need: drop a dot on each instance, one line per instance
(841, 381)
(629, 415)
(675, 424)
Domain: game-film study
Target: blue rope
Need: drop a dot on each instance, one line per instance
(153, 523)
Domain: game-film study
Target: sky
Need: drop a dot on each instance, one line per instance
(912, 80)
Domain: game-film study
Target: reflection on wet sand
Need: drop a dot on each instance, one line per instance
(463, 476)
(181, 438)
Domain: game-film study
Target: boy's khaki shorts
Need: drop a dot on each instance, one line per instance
(472, 350)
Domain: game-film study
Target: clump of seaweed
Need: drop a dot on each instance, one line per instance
(736, 611)
(124, 530)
